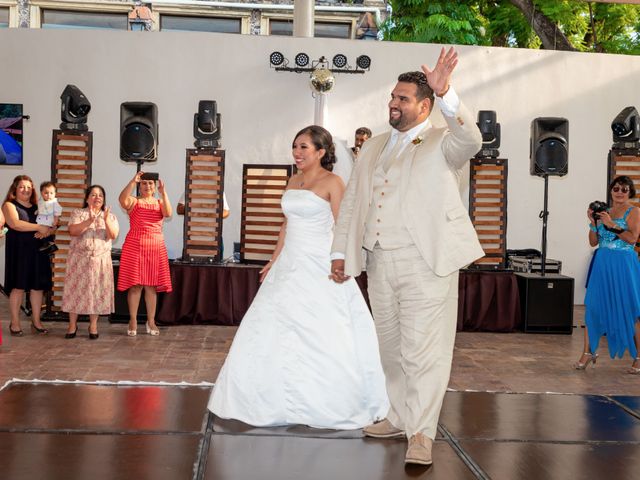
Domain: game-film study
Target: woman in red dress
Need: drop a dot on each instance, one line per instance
(144, 263)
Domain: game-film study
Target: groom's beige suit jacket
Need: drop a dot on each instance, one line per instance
(431, 207)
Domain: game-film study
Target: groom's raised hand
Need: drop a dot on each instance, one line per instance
(337, 271)
(439, 78)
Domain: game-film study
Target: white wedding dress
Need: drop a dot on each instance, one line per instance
(306, 351)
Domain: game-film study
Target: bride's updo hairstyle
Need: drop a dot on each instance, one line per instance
(321, 139)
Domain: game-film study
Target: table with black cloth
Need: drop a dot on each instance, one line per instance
(208, 294)
(488, 301)
(221, 294)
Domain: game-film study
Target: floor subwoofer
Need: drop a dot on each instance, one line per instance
(546, 302)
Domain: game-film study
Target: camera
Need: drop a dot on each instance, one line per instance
(150, 176)
(597, 207)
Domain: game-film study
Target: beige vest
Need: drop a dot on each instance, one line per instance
(384, 224)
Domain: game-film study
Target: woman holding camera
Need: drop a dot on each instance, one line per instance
(144, 264)
(612, 301)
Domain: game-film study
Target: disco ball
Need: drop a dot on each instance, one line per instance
(322, 80)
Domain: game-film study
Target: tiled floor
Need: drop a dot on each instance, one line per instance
(511, 362)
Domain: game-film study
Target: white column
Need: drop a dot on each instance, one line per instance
(303, 18)
(321, 110)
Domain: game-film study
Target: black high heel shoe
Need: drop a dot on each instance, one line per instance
(93, 336)
(15, 333)
(41, 331)
(71, 335)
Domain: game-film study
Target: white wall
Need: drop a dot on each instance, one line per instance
(262, 109)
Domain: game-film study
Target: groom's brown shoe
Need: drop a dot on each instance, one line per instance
(419, 451)
(383, 429)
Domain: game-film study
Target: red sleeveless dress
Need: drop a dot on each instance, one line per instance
(144, 258)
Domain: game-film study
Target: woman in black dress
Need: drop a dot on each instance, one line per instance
(26, 268)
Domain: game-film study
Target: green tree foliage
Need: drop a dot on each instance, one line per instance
(552, 24)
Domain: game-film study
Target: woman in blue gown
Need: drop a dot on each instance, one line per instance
(612, 301)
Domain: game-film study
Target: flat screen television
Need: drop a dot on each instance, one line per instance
(10, 134)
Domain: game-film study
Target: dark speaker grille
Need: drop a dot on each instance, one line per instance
(552, 157)
(137, 142)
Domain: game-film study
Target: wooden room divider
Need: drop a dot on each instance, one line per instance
(71, 153)
(262, 217)
(203, 206)
(488, 208)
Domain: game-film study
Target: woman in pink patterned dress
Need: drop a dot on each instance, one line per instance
(88, 284)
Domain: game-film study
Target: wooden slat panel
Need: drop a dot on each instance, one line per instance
(74, 137)
(269, 233)
(488, 195)
(488, 177)
(256, 250)
(204, 243)
(72, 148)
(70, 195)
(208, 196)
(61, 186)
(261, 205)
(202, 224)
(487, 167)
(202, 205)
(80, 158)
(272, 178)
(71, 176)
(202, 252)
(204, 177)
(261, 223)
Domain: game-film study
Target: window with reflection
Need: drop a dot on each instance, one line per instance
(321, 29)
(200, 24)
(69, 19)
(4, 17)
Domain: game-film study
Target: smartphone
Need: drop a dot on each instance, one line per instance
(150, 176)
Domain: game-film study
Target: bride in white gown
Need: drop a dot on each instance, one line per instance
(306, 351)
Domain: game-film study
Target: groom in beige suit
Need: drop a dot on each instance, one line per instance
(403, 206)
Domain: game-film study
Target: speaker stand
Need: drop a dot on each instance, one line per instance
(544, 215)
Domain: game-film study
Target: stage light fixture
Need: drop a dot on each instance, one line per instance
(363, 62)
(302, 63)
(626, 127)
(339, 60)
(206, 125)
(74, 109)
(302, 59)
(490, 129)
(276, 59)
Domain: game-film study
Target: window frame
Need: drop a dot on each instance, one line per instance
(38, 6)
(322, 17)
(197, 11)
(12, 5)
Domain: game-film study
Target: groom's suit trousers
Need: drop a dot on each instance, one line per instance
(415, 312)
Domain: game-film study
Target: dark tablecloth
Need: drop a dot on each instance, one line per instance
(208, 294)
(220, 295)
(488, 301)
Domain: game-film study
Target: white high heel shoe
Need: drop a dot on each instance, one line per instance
(132, 333)
(151, 332)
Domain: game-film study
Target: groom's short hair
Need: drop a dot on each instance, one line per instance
(420, 81)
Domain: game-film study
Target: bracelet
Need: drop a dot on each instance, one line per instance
(592, 228)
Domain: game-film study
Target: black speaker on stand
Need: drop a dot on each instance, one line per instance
(546, 300)
(138, 132)
(549, 156)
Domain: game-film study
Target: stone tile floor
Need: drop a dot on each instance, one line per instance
(512, 362)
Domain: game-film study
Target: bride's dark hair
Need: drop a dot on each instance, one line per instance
(321, 139)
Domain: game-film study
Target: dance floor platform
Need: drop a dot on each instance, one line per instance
(109, 431)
